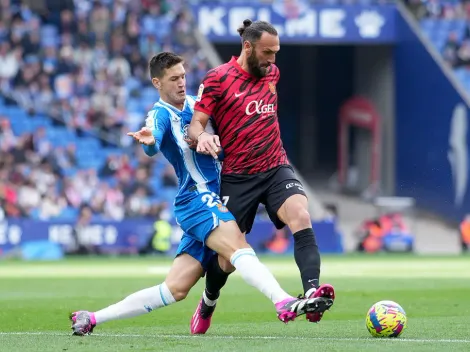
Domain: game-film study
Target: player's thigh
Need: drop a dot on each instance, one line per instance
(286, 201)
(241, 194)
(202, 215)
(226, 239)
(183, 275)
(209, 222)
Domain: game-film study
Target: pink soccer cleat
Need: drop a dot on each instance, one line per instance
(83, 322)
(291, 308)
(201, 320)
(325, 291)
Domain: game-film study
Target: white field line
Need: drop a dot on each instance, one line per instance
(228, 337)
(379, 269)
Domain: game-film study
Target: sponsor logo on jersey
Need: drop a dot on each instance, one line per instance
(199, 92)
(257, 107)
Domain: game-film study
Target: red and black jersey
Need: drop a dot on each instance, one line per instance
(244, 109)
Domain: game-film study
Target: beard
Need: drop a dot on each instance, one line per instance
(255, 68)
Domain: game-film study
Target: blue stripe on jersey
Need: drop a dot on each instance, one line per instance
(190, 103)
(196, 172)
(187, 155)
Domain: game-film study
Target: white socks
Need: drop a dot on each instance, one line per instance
(208, 301)
(257, 274)
(138, 303)
(144, 301)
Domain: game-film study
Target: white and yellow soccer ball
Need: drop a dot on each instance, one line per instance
(386, 319)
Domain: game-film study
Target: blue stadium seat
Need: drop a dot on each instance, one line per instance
(134, 105)
(90, 163)
(428, 24)
(14, 113)
(168, 194)
(460, 74)
(69, 172)
(68, 213)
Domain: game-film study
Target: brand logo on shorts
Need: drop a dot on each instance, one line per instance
(222, 208)
(295, 184)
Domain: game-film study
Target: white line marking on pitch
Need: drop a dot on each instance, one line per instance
(228, 337)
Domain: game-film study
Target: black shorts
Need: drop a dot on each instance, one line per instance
(242, 194)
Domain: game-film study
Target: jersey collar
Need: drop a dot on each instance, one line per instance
(167, 105)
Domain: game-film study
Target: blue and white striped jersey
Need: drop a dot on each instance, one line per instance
(197, 173)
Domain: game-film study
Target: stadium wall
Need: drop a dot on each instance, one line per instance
(129, 236)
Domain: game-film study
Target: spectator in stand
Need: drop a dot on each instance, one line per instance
(450, 49)
(463, 54)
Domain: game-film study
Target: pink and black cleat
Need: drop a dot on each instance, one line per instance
(201, 320)
(324, 291)
(83, 322)
(291, 308)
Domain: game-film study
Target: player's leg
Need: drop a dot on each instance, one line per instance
(241, 199)
(227, 240)
(286, 203)
(183, 275)
(209, 221)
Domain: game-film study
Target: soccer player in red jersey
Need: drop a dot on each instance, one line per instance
(240, 96)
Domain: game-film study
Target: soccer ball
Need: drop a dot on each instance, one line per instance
(386, 319)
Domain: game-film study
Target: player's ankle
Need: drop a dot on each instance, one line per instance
(210, 299)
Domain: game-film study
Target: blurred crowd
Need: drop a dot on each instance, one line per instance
(36, 183)
(457, 53)
(456, 50)
(83, 60)
(438, 9)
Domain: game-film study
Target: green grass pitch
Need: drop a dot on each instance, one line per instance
(35, 299)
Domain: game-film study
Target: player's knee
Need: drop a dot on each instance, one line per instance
(299, 218)
(179, 294)
(226, 266)
(177, 291)
(226, 240)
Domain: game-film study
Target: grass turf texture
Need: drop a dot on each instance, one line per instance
(35, 299)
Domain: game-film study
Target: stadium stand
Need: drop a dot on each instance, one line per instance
(73, 80)
(446, 24)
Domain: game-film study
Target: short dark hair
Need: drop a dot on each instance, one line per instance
(252, 31)
(159, 63)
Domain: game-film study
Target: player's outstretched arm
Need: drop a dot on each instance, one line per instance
(152, 134)
(206, 143)
(147, 139)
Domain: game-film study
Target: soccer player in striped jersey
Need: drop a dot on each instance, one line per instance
(240, 98)
(208, 226)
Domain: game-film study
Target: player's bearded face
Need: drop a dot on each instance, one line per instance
(256, 67)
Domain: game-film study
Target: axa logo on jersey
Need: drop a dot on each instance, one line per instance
(258, 107)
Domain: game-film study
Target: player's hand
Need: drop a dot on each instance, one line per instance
(208, 144)
(144, 136)
(192, 144)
